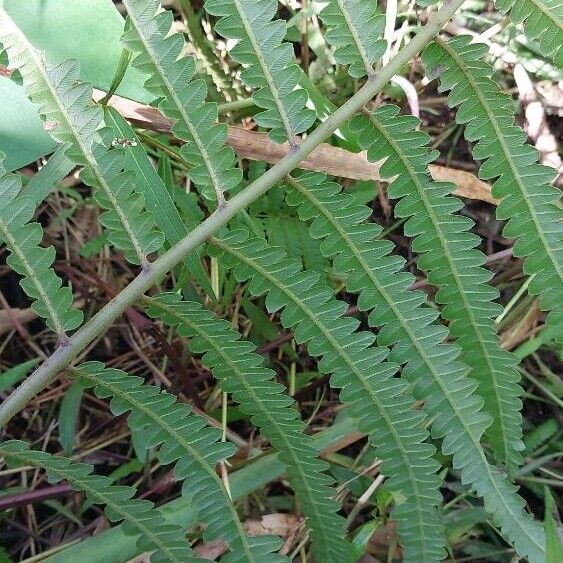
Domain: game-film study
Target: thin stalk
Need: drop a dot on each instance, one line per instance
(122, 65)
(154, 272)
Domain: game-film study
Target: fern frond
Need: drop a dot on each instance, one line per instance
(241, 373)
(185, 440)
(65, 105)
(383, 289)
(269, 63)
(448, 253)
(528, 201)
(53, 301)
(454, 266)
(355, 29)
(171, 81)
(543, 22)
(166, 541)
(379, 400)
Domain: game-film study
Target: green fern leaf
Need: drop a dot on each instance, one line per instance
(157, 53)
(376, 397)
(454, 266)
(166, 541)
(53, 302)
(383, 289)
(528, 200)
(448, 253)
(354, 28)
(269, 64)
(242, 374)
(543, 21)
(185, 440)
(65, 105)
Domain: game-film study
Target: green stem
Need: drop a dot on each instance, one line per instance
(119, 72)
(65, 354)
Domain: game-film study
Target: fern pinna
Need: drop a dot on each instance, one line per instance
(52, 300)
(269, 63)
(156, 53)
(528, 200)
(195, 449)
(543, 22)
(242, 374)
(381, 401)
(383, 290)
(448, 254)
(354, 28)
(454, 266)
(165, 540)
(415, 385)
(65, 105)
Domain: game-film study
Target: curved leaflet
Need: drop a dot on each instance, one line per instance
(53, 301)
(241, 373)
(269, 63)
(381, 401)
(528, 201)
(171, 79)
(166, 541)
(195, 449)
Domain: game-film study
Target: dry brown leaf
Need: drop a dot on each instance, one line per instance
(325, 158)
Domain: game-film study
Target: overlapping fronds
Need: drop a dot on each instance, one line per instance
(449, 394)
(52, 300)
(355, 28)
(528, 200)
(543, 22)
(165, 541)
(181, 97)
(65, 105)
(185, 440)
(269, 63)
(379, 400)
(242, 373)
(448, 254)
